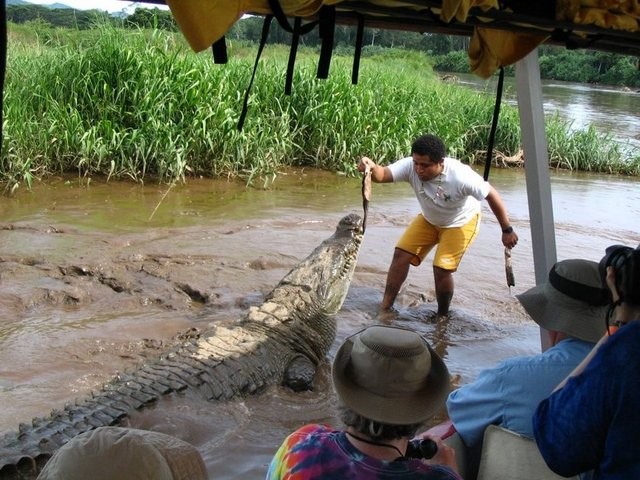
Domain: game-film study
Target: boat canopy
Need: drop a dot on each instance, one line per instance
(501, 32)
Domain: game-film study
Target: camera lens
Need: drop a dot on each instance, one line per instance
(425, 448)
(626, 262)
(615, 257)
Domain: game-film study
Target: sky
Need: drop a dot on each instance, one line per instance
(109, 5)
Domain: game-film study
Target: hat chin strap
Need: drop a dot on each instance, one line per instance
(372, 442)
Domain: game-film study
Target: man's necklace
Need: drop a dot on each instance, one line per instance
(379, 444)
(439, 190)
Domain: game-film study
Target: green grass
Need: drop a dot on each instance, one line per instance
(140, 105)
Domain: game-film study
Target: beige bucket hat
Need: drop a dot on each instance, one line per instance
(572, 301)
(125, 453)
(390, 375)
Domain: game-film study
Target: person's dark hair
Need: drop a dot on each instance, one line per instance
(376, 430)
(429, 145)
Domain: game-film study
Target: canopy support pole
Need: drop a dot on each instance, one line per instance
(534, 145)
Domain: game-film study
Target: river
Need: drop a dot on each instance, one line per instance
(63, 334)
(611, 110)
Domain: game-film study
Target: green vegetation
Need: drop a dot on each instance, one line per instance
(558, 63)
(86, 19)
(60, 17)
(449, 52)
(139, 104)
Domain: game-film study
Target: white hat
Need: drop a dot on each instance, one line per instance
(572, 301)
(107, 453)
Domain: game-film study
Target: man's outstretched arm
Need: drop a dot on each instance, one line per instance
(509, 236)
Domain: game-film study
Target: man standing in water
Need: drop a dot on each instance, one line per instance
(449, 193)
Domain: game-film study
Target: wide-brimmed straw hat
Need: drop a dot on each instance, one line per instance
(390, 375)
(573, 300)
(114, 452)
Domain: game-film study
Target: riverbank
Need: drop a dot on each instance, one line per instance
(140, 105)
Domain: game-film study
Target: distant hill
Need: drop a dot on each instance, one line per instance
(127, 7)
(23, 2)
(62, 15)
(52, 6)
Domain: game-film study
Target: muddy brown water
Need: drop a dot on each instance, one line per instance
(96, 278)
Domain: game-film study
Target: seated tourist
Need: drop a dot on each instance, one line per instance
(109, 453)
(389, 382)
(591, 422)
(571, 307)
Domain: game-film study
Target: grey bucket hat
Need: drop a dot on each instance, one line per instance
(572, 301)
(390, 375)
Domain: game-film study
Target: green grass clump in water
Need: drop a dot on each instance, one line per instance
(588, 150)
(140, 105)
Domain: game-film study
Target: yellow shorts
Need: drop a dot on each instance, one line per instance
(420, 237)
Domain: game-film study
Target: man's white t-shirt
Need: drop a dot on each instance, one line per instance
(449, 200)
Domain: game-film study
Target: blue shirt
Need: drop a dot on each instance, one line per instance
(508, 394)
(593, 422)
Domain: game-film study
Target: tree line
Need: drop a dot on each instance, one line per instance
(447, 53)
(86, 19)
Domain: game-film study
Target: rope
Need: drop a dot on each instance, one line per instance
(263, 41)
(494, 125)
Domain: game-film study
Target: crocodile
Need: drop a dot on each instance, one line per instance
(278, 342)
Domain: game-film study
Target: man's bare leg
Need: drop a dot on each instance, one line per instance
(398, 271)
(444, 289)
(440, 335)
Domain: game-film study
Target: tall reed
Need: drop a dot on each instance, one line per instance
(141, 105)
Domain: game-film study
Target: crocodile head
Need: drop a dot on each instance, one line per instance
(327, 272)
(300, 310)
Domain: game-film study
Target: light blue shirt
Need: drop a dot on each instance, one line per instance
(509, 394)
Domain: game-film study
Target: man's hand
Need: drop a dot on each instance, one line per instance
(611, 283)
(379, 174)
(364, 163)
(510, 240)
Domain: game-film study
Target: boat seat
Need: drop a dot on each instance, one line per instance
(507, 455)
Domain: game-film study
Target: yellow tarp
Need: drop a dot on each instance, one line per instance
(203, 22)
(491, 49)
(459, 9)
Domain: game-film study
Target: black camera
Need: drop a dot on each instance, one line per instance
(425, 448)
(626, 262)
